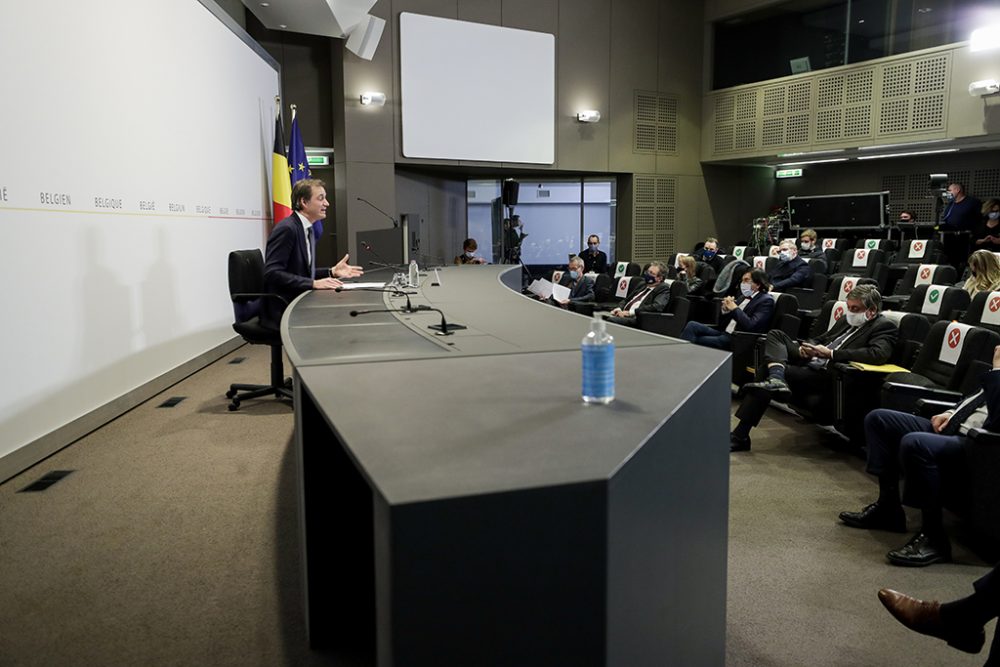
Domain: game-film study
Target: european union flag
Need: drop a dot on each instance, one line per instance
(298, 165)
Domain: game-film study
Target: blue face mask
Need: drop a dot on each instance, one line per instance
(708, 254)
(649, 278)
(784, 256)
(747, 289)
(574, 274)
(592, 246)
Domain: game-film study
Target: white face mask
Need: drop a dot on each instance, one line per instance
(470, 254)
(993, 215)
(856, 319)
(806, 245)
(747, 289)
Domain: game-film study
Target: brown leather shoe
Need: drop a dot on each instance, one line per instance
(925, 618)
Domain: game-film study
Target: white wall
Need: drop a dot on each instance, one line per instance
(137, 147)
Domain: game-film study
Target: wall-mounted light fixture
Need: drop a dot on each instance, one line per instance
(373, 98)
(984, 87)
(588, 116)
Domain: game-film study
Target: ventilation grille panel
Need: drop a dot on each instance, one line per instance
(799, 95)
(774, 102)
(655, 123)
(655, 217)
(985, 183)
(831, 92)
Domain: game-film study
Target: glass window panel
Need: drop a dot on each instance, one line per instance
(480, 223)
(599, 214)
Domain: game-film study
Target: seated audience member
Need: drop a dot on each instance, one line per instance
(796, 370)
(651, 297)
(987, 234)
(290, 258)
(907, 217)
(790, 271)
(581, 287)
(960, 622)
(809, 248)
(984, 272)
(709, 253)
(687, 272)
(928, 453)
(594, 259)
(468, 256)
(751, 313)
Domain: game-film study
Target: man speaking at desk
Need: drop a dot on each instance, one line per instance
(290, 258)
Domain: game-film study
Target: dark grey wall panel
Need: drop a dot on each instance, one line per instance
(633, 63)
(480, 11)
(540, 15)
(583, 82)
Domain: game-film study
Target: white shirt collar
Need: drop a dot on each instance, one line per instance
(306, 225)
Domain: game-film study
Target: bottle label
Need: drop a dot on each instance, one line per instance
(598, 370)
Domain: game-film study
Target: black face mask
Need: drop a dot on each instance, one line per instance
(649, 278)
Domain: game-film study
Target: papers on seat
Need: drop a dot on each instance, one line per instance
(347, 286)
(878, 368)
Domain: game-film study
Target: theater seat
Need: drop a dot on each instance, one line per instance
(918, 274)
(937, 302)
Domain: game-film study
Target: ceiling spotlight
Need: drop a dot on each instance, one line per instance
(373, 98)
(588, 116)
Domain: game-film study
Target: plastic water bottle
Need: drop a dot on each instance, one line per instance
(598, 352)
(414, 274)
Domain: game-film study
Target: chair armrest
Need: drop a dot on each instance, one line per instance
(246, 296)
(928, 408)
(917, 392)
(983, 437)
(666, 324)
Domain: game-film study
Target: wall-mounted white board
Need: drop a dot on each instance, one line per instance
(137, 151)
(471, 91)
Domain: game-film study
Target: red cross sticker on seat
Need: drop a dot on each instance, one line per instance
(848, 286)
(838, 313)
(862, 253)
(954, 338)
(623, 283)
(828, 243)
(918, 246)
(925, 273)
(995, 304)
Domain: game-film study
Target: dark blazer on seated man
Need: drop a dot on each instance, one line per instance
(791, 270)
(752, 313)
(288, 265)
(653, 297)
(797, 372)
(581, 287)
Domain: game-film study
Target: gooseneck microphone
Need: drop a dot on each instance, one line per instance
(443, 329)
(395, 291)
(381, 262)
(395, 223)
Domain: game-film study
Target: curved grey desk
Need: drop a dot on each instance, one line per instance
(462, 506)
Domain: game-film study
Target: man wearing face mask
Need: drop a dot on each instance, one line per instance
(809, 248)
(961, 212)
(594, 259)
(751, 313)
(652, 296)
(791, 270)
(930, 456)
(581, 288)
(709, 254)
(798, 371)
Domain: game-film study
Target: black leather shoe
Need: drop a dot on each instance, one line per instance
(921, 550)
(739, 443)
(877, 517)
(925, 618)
(771, 384)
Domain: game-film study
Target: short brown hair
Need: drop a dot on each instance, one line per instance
(470, 244)
(304, 190)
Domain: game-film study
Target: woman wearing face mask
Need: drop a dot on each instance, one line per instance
(468, 256)
(687, 272)
(987, 235)
(751, 313)
(984, 272)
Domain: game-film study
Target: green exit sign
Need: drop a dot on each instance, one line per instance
(788, 173)
(318, 160)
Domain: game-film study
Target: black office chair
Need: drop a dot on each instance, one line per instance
(246, 289)
(937, 274)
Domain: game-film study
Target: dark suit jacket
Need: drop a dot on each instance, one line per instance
(582, 290)
(286, 268)
(594, 263)
(872, 343)
(793, 273)
(655, 302)
(755, 318)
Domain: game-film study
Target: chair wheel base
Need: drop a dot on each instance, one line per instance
(230, 393)
(234, 406)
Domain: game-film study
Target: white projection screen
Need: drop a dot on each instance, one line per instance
(136, 155)
(472, 91)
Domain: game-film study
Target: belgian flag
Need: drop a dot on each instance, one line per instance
(281, 184)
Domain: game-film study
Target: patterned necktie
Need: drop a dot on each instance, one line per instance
(637, 298)
(963, 412)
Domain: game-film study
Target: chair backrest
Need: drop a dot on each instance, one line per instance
(819, 266)
(603, 287)
(875, 244)
(923, 274)
(738, 252)
(949, 350)
(625, 285)
(913, 330)
(918, 251)
(828, 316)
(937, 302)
(678, 288)
(842, 283)
(246, 276)
(862, 260)
(984, 311)
(624, 268)
(785, 317)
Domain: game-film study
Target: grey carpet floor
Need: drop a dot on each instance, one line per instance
(174, 542)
